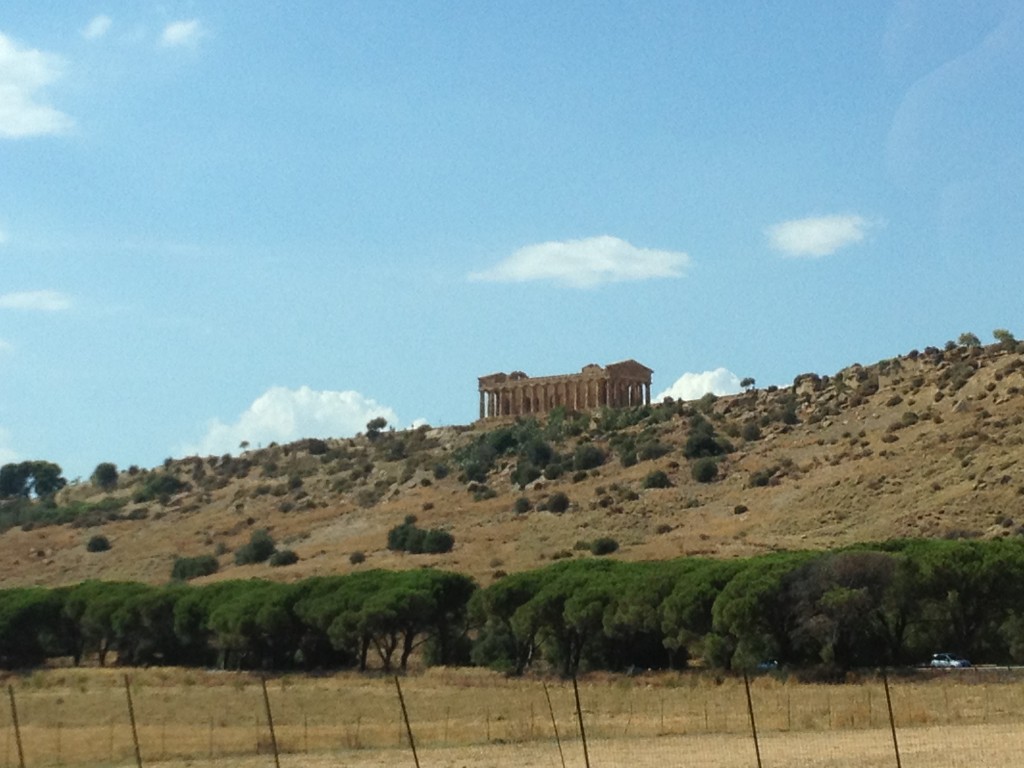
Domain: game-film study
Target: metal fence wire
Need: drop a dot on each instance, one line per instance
(473, 718)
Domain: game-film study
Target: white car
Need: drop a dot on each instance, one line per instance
(948, 661)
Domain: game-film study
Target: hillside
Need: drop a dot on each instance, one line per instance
(927, 444)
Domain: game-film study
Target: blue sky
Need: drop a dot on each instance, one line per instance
(264, 221)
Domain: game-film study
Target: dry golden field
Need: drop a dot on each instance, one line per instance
(475, 718)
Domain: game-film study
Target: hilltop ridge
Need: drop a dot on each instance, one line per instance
(925, 444)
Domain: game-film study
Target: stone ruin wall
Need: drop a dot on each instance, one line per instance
(619, 385)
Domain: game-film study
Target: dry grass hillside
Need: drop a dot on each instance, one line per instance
(927, 444)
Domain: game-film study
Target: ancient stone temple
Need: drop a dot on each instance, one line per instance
(618, 385)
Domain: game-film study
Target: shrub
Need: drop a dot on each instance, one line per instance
(283, 557)
(651, 450)
(98, 543)
(260, 547)
(604, 545)
(763, 477)
(558, 503)
(525, 473)
(438, 540)
(553, 471)
(158, 486)
(657, 479)
(316, 446)
(522, 505)
(104, 476)
(357, 557)
(587, 456)
(440, 471)
(701, 441)
(408, 538)
(186, 568)
(750, 431)
(704, 470)
(739, 509)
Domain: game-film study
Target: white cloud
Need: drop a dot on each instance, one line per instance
(284, 415)
(817, 236)
(97, 27)
(5, 346)
(43, 301)
(693, 386)
(179, 33)
(24, 72)
(585, 263)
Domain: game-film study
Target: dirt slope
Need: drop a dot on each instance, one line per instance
(927, 444)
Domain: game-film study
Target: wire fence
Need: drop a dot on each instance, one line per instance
(471, 718)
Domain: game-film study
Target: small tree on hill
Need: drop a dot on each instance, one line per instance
(104, 476)
(375, 426)
(968, 339)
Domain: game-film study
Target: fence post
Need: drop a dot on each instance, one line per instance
(892, 720)
(579, 715)
(408, 728)
(554, 725)
(270, 722)
(17, 727)
(753, 723)
(131, 718)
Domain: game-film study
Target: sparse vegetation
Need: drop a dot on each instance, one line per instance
(657, 479)
(98, 543)
(187, 568)
(604, 545)
(704, 470)
(259, 548)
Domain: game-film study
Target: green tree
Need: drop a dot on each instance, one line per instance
(1005, 339)
(968, 339)
(104, 476)
(375, 426)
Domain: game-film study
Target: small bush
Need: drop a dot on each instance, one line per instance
(604, 546)
(158, 486)
(522, 505)
(652, 450)
(98, 543)
(657, 479)
(587, 456)
(704, 470)
(187, 568)
(437, 541)
(558, 503)
(260, 547)
(553, 471)
(408, 538)
(283, 557)
(357, 557)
